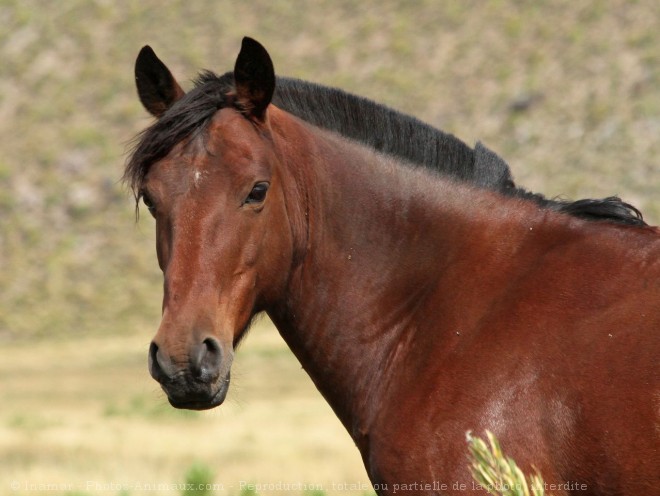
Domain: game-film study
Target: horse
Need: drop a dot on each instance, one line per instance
(421, 307)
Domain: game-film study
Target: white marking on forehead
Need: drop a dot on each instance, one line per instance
(197, 177)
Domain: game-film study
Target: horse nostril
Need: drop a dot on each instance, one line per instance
(160, 366)
(154, 367)
(206, 360)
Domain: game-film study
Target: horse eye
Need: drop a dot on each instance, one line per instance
(149, 203)
(258, 193)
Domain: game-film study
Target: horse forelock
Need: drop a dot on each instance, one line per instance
(187, 118)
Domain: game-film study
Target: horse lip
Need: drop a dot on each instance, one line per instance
(202, 404)
(216, 400)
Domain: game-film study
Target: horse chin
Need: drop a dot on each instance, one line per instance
(202, 401)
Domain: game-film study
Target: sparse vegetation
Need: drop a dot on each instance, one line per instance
(198, 480)
(248, 491)
(497, 473)
(314, 492)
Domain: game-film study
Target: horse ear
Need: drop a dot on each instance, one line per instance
(254, 77)
(157, 88)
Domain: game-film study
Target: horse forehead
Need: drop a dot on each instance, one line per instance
(184, 158)
(232, 135)
(223, 149)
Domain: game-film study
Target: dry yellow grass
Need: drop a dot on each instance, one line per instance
(85, 413)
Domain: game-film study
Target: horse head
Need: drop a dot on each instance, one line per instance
(207, 173)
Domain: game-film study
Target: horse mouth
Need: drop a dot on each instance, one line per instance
(198, 400)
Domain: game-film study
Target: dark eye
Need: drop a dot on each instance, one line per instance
(258, 193)
(149, 203)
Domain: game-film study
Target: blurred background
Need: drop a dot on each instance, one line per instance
(567, 92)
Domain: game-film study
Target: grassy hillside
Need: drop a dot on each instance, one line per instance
(566, 91)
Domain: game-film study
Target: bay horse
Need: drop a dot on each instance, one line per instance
(421, 307)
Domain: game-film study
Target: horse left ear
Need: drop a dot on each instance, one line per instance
(157, 88)
(254, 77)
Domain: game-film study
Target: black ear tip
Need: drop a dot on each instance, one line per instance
(254, 52)
(146, 53)
(249, 42)
(250, 45)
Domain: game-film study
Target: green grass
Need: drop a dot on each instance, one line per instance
(248, 491)
(199, 480)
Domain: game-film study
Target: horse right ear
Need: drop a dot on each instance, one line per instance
(254, 77)
(157, 88)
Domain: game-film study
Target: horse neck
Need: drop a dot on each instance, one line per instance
(371, 257)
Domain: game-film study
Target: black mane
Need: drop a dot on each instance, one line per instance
(390, 132)
(401, 135)
(363, 120)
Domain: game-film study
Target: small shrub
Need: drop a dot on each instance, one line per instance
(499, 474)
(199, 478)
